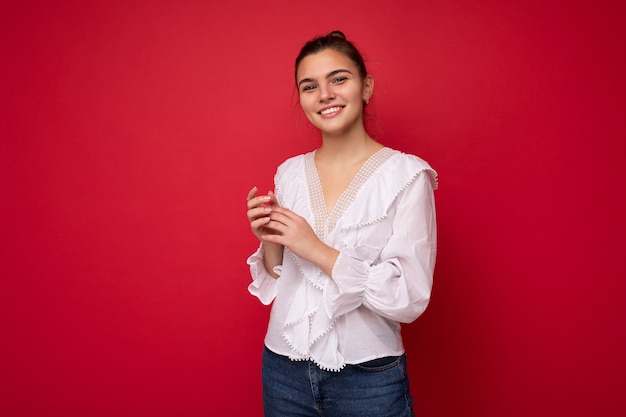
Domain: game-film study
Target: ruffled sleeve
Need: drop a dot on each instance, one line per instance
(394, 279)
(263, 285)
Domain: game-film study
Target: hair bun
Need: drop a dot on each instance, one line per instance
(337, 42)
(336, 34)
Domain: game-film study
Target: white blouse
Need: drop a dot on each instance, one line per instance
(385, 230)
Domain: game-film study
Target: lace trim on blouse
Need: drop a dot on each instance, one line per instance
(324, 222)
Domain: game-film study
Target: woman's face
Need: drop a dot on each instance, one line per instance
(332, 92)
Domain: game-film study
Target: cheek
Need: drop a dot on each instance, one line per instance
(306, 108)
(307, 103)
(310, 116)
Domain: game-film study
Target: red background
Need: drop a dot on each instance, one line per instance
(132, 131)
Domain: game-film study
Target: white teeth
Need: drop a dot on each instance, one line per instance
(331, 110)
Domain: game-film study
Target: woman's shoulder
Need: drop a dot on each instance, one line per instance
(406, 165)
(291, 162)
(290, 180)
(293, 167)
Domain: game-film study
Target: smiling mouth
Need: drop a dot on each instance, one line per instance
(330, 110)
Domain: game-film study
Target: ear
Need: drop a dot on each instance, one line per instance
(368, 88)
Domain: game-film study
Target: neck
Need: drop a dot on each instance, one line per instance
(344, 140)
(347, 145)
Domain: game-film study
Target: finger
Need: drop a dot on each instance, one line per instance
(279, 217)
(274, 228)
(273, 199)
(283, 212)
(258, 212)
(258, 223)
(258, 201)
(273, 238)
(252, 193)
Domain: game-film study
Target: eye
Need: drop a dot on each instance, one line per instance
(309, 87)
(339, 80)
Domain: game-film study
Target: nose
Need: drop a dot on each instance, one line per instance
(326, 93)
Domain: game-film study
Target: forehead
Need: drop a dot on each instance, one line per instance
(320, 64)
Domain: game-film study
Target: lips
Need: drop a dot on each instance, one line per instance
(330, 110)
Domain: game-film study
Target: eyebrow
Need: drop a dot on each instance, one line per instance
(329, 75)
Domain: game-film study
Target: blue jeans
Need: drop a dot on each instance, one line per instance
(378, 388)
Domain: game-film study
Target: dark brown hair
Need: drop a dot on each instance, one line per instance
(336, 41)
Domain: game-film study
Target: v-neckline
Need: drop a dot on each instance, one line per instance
(325, 221)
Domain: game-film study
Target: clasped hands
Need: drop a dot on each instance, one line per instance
(274, 224)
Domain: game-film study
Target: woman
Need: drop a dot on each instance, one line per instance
(347, 253)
